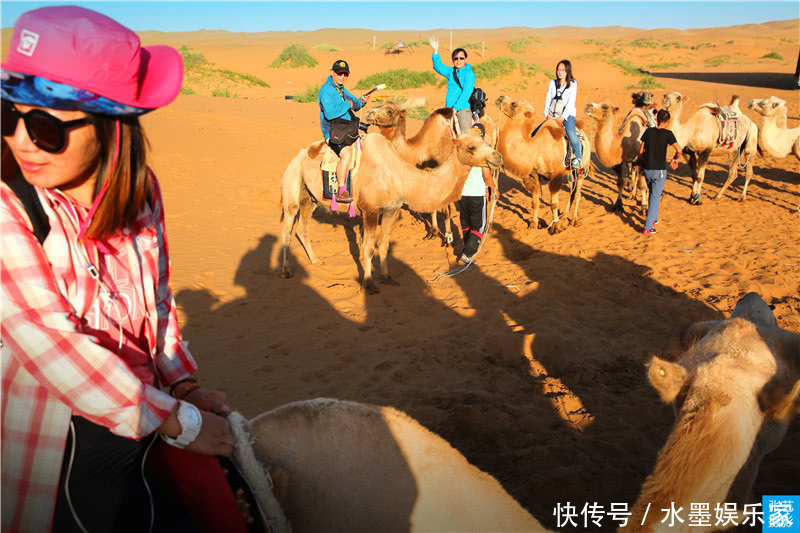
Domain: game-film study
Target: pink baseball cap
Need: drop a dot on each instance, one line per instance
(91, 52)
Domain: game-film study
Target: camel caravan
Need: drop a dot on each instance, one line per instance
(735, 390)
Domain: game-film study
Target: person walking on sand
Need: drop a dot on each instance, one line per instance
(339, 123)
(559, 104)
(460, 82)
(472, 207)
(654, 155)
(89, 326)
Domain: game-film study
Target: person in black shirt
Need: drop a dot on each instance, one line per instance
(654, 153)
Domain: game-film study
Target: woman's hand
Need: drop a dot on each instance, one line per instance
(434, 42)
(209, 400)
(215, 437)
(673, 164)
(560, 121)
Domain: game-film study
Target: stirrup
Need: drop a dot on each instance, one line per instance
(575, 163)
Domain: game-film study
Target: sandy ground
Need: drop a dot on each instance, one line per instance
(532, 364)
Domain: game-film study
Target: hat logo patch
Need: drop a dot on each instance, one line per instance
(27, 42)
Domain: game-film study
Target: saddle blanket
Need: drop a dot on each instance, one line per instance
(330, 182)
(728, 128)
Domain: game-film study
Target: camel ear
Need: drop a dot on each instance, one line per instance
(403, 112)
(697, 331)
(780, 399)
(616, 108)
(775, 104)
(666, 378)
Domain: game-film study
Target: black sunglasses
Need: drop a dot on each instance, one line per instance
(459, 58)
(45, 131)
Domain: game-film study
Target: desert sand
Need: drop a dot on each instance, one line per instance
(531, 363)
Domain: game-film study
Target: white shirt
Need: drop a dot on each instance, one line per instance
(570, 95)
(474, 186)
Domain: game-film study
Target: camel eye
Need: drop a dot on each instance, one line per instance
(605, 107)
(471, 148)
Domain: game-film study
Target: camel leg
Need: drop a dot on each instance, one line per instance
(369, 228)
(448, 213)
(433, 230)
(390, 216)
(555, 190)
(306, 208)
(287, 232)
(699, 174)
(619, 207)
(642, 184)
(733, 172)
(748, 175)
(532, 184)
(577, 194)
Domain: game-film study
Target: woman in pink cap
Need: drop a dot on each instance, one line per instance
(89, 327)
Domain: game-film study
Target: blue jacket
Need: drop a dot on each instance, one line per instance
(332, 105)
(457, 97)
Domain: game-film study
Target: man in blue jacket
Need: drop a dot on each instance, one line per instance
(460, 83)
(336, 104)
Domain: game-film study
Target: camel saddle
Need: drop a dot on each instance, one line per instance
(330, 182)
(568, 148)
(728, 120)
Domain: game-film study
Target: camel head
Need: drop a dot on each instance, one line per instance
(601, 112)
(671, 101)
(767, 106)
(472, 150)
(515, 108)
(735, 388)
(387, 115)
(642, 99)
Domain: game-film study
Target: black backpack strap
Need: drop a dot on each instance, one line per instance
(33, 206)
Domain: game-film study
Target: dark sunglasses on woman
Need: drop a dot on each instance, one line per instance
(45, 131)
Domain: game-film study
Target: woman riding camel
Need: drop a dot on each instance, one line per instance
(560, 105)
(460, 83)
(89, 325)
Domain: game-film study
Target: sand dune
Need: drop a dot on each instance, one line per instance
(532, 363)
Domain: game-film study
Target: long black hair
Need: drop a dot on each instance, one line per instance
(568, 67)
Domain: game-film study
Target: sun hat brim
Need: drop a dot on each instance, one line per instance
(160, 75)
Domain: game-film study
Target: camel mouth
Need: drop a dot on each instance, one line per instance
(495, 161)
(588, 109)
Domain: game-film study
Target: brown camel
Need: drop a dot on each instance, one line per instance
(346, 466)
(383, 183)
(735, 391)
(774, 137)
(529, 158)
(700, 135)
(620, 150)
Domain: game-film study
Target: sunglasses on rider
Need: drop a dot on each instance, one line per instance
(45, 131)
(459, 58)
(345, 74)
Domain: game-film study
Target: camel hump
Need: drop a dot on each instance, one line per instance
(734, 102)
(713, 108)
(557, 131)
(753, 308)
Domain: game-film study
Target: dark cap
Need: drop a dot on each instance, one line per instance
(340, 65)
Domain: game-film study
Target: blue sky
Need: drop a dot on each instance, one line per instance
(257, 16)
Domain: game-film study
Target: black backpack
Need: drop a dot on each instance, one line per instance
(477, 100)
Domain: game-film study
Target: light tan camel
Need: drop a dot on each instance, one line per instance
(529, 158)
(425, 150)
(735, 391)
(700, 134)
(774, 137)
(383, 183)
(618, 147)
(356, 467)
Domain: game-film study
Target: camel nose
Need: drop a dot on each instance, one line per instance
(371, 116)
(496, 160)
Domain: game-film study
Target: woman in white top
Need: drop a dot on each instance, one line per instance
(560, 105)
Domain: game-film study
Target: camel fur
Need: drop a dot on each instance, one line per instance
(774, 137)
(699, 135)
(356, 467)
(529, 158)
(383, 183)
(620, 150)
(735, 391)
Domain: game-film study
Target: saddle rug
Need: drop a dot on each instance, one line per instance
(330, 182)
(728, 121)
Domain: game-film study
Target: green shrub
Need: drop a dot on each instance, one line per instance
(419, 112)
(386, 46)
(192, 60)
(702, 45)
(187, 90)
(398, 79)
(665, 66)
(730, 42)
(522, 45)
(647, 43)
(472, 46)
(594, 41)
(718, 60)
(225, 93)
(594, 55)
(294, 56)
(326, 47)
(495, 67)
(309, 95)
(772, 55)
(629, 68)
(531, 69)
(238, 77)
(648, 82)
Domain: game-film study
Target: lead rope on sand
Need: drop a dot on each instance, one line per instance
(493, 201)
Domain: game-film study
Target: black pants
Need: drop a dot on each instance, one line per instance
(473, 222)
(106, 488)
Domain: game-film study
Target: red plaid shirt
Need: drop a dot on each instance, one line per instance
(52, 368)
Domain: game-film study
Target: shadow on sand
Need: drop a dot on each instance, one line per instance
(764, 80)
(479, 374)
